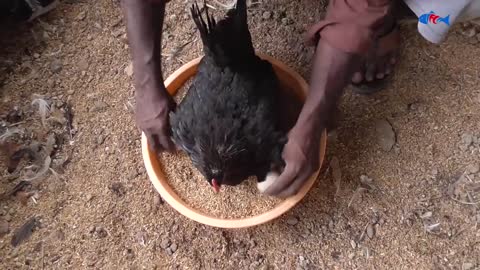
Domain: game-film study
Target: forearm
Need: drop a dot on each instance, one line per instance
(331, 73)
(144, 20)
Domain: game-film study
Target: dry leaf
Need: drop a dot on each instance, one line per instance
(50, 144)
(432, 228)
(11, 132)
(15, 154)
(24, 232)
(43, 108)
(58, 116)
(336, 173)
(42, 171)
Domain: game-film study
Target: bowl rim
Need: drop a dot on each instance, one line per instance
(158, 178)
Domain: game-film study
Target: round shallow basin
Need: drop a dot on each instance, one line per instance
(290, 80)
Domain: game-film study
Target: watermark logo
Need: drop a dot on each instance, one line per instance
(433, 18)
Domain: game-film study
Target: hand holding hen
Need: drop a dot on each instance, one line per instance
(301, 155)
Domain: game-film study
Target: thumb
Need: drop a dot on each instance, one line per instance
(283, 181)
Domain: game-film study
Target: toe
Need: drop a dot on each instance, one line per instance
(370, 72)
(357, 77)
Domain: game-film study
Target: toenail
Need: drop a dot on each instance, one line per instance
(357, 77)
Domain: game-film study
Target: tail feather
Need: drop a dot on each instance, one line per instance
(229, 41)
(202, 26)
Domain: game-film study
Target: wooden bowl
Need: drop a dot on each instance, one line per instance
(290, 80)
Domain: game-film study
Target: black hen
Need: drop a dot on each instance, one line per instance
(228, 122)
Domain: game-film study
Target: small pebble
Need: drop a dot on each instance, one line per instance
(370, 231)
(98, 106)
(353, 244)
(129, 70)
(467, 139)
(157, 200)
(385, 134)
(100, 139)
(82, 64)
(141, 236)
(467, 266)
(100, 232)
(4, 228)
(292, 221)
(303, 263)
(381, 221)
(473, 168)
(118, 32)
(470, 32)
(463, 147)
(58, 235)
(267, 15)
(56, 66)
(173, 247)
(165, 243)
(426, 215)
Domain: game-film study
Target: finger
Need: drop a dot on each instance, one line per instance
(357, 77)
(296, 185)
(283, 181)
(166, 143)
(389, 65)
(153, 143)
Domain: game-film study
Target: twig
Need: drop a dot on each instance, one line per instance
(470, 197)
(17, 123)
(464, 202)
(226, 6)
(363, 232)
(212, 7)
(355, 194)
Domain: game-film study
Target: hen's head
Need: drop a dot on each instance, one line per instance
(221, 165)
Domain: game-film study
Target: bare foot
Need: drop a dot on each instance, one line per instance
(378, 65)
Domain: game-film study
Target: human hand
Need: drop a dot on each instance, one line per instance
(152, 117)
(302, 158)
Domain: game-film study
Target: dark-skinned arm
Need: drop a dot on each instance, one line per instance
(331, 73)
(144, 20)
(342, 39)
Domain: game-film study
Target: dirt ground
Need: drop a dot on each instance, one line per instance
(414, 206)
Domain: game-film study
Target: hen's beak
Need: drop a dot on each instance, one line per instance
(215, 185)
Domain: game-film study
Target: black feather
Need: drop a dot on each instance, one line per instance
(228, 122)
